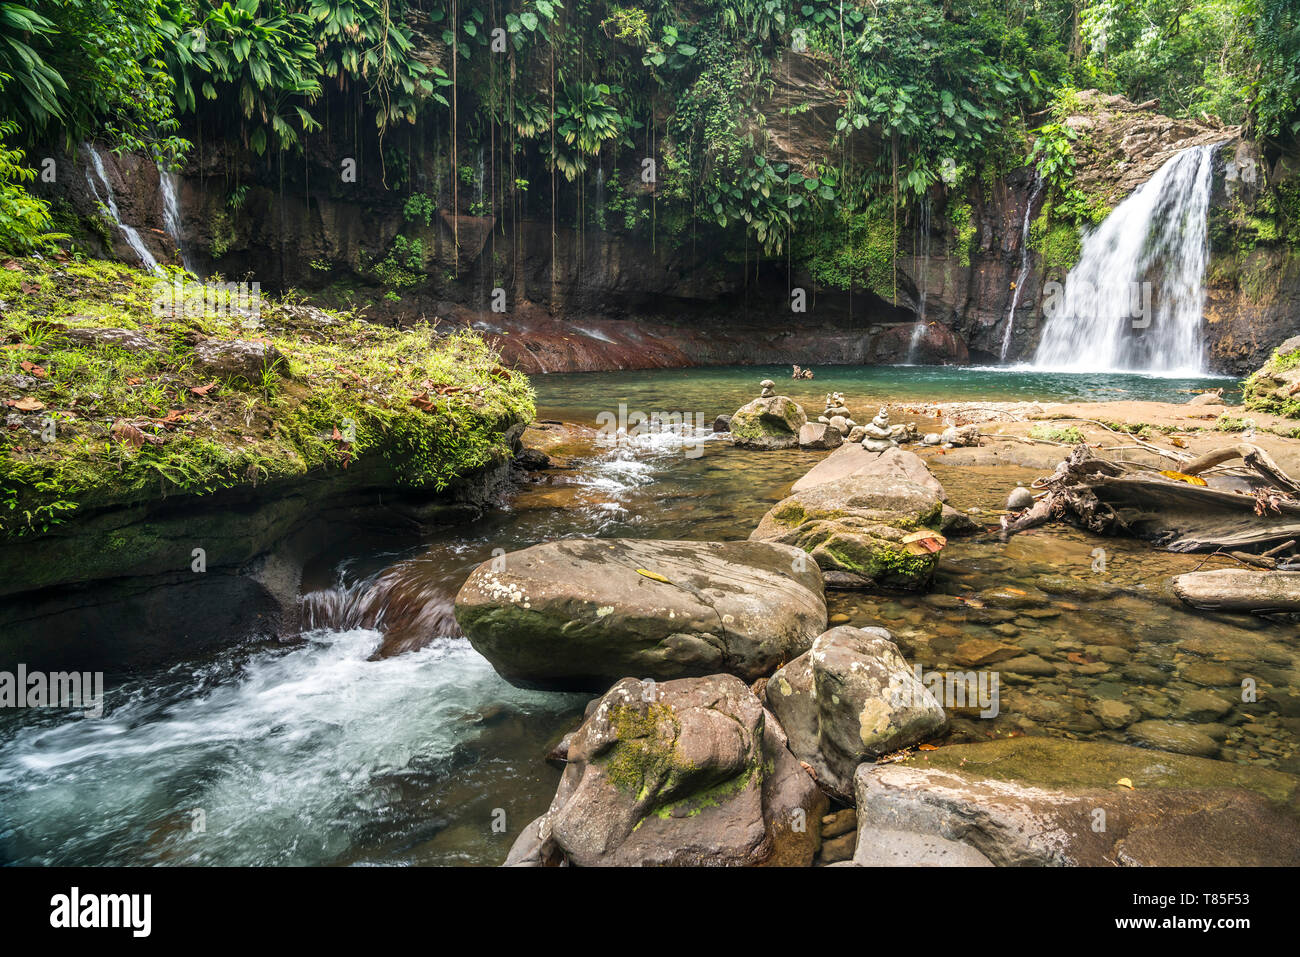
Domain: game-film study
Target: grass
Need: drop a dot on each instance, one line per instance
(342, 395)
(1069, 434)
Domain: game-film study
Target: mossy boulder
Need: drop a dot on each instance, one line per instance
(861, 527)
(680, 773)
(1275, 388)
(578, 614)
(1038, 801)
(770, 423)
(851, 698)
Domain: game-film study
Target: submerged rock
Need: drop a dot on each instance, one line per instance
(1037, 801)
(769, 422)
(687, 772)
(581, 613)
(863, 527)
(849, 699)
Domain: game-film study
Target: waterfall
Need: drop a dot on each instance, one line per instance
(1024, 265)
(918, 330)
(109, 203)
(172, 214)
(1134, 302)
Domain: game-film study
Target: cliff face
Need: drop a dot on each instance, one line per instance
(591, 298)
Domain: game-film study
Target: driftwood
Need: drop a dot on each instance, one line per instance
(1235, 589)
(1117, 498)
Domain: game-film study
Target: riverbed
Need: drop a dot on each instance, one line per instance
(336, 750)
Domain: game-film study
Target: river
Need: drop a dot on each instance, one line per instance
(319, 752)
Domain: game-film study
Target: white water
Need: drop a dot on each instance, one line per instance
(1024, 266)
(172, 215)
(1135, 300)
(291, 754)
(109, 202)
(918, 330)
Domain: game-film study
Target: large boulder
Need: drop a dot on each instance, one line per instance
(687, 772)
(768, 423)
(578, 614)
(1052, 801)
(851, 698)
(870, 526)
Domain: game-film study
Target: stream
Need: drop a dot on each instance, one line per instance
(348, 748)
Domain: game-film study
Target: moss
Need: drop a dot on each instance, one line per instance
(1068, 434)
(964, 230)
(645, 756)
(343, 394)
(1058, 243)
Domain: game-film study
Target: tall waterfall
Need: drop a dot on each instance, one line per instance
(1024, 264)
(109, 203)
(1134, 302)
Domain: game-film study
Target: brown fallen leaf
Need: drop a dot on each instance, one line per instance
(29, 288)
(203, 389)
(27, 405)
(128, 434)
(927, 747)
(33, 368)
(422, 401)
(1125, 783)
(1176, 442)
(1180, 477)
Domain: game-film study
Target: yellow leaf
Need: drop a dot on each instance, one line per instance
(1180, 477)
(1125, 783)
(653, 576)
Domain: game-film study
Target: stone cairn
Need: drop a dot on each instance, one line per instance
(836, 414)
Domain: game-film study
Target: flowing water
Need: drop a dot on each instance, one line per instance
(167, 182)
(1025, 261)
(1136, 297)
(383, 738)
(109, 203)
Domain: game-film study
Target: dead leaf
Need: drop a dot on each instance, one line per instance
(924, 542)
(127, 433)
(203, 389)
(1125, 783)
(653, 576)
(29, 288)
(1180, 477)
(28, 405)
(1176, 442)
(34, 369)
(927, 747)
(422, 401)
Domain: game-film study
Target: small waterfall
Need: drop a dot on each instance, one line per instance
(918, 330)
(1134, 302)
(1024, 265)
(109, 203)
(167, 181)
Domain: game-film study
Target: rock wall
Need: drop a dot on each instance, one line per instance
(592, 299)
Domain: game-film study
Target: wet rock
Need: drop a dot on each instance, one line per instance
(768, 423)
(1032, 801)
(678, 773)
(1030, 665)
(839, 848)
(976, 652)
(1019, 499)
(851, 698)
(840, 619)
(722, 423)
(532, 460)
(839, 822)
(1209, 674)
(1202, 706)
(580, 613)
(819, 436)
(242, 358)
(1115, 714)
(1175, 737)
(856, 526)
(128, 340)
(954, 522)
(1206, 398)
